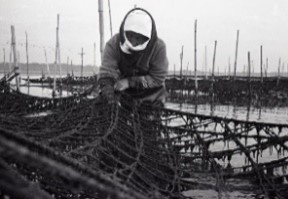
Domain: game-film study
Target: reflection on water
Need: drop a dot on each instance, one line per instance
(239, 158)
(269, 115)
(44, 90)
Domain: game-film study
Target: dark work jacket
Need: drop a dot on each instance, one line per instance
(146, 70)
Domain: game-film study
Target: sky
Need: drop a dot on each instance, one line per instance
(260, 22)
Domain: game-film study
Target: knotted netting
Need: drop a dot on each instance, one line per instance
(86, 148)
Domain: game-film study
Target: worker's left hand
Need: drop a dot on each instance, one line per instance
(121, 85)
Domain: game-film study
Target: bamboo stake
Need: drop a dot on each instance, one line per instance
(266, 67)
(47, 65)
(57, 57)
(110, 17)
(72, 69)
(42, 72)
(212, 81)
(181, 61)
(186, 80)
(236, 54)
(54, 82)
(261, 64)
(214, 57)
(67, 66)
(101, 25)
(94, 59)
(15, 61)
(249, 75)
(187, 69)
(229, 68)
(278, 77)
(174, 70)
(57, 52)
(10, 57)
(252, 67)
(27, 59)
(82, 55)
(206, 71)
(181, 71)
(195, 58)
(283, 67)
(4, 61)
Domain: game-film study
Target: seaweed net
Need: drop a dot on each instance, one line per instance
(272, 92)
(86, 148)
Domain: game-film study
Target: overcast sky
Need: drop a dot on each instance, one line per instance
(260, 22)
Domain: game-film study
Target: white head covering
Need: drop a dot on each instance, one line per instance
(140, 22)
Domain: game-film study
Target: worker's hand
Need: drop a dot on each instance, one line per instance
(121, 85)
(107, 94)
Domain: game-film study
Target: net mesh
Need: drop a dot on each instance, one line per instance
(86, 148)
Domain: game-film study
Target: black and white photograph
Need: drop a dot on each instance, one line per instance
(143, 99)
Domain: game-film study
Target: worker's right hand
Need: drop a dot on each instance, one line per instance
(107, 94)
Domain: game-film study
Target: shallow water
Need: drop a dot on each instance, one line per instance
(263, 115)
(269, 115)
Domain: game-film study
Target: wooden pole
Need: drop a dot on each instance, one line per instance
(4, 61)
(42, 72)
(195, 57)
(212, 79)
(266, 67)
(174, 70)
(10, 57)
(214, 57)
(110, 17)
(94, 59)
(181, 61)
(82, 65)
(27, 60)
(252, 69)
(249, 75)
(278, 77)
(67, 66)
(72, 72)
(187, 69)
(261, 63)
(47, 65)
(101, 25)
(15, 61)
(57, 53)
(54, 82)
(229, 68)
(206, 71)
(236, 54)
(57, 57)
(283, 68)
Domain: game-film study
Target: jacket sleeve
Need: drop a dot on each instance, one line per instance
(158, 70)
(110, 58)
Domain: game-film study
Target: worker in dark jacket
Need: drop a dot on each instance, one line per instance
(135, 61)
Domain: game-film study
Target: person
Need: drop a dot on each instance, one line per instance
(134, 61)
